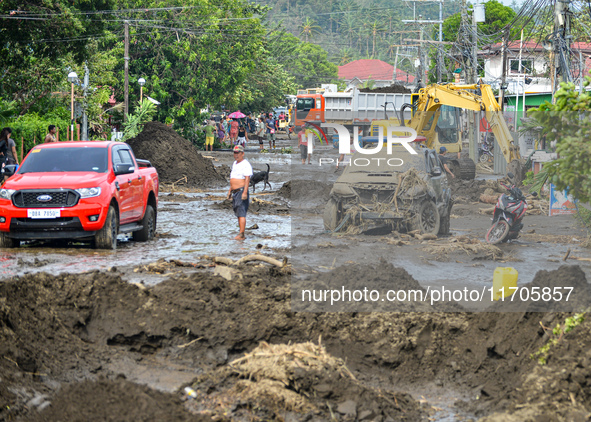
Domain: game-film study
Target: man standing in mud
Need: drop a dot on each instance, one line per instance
(239, 181)
(444, 161)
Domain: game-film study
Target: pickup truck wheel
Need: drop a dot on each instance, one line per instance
(8, 242)
(149, 226)
(106, 238)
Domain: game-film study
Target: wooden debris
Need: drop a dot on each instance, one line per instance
(489, 199)
(565, 257)
(249, 258)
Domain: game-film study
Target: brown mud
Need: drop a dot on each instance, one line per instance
(67, 342)
(392, 89)
(175, 158)
(113, 345)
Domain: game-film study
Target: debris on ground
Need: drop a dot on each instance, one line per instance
(464, 244)
(166, 267)
(298, 381)
(175, 158)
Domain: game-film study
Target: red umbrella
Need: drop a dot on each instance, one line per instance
(237, 115)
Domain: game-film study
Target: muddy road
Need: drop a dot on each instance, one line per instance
(89, 335)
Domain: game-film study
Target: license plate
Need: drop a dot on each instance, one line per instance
(50, 213)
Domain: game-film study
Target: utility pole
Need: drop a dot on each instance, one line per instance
(464, 36)
(581, 69)
(424, 66)
(561, 48)
(504, 69)
(474, 46)
(126, 70)
(439, 55)
(474, 145)
(421, 68)
(85, 105)
(396, 65)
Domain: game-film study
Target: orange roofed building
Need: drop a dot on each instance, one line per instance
(381, 73)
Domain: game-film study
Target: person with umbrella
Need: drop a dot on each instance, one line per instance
(234, 125)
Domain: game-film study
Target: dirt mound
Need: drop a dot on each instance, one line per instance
(471, 190)
(285, 190)
(309, 193)
(118, 400)
(392, 89)
(224, 170)
(58, 330)
(175, 158)
(305, 189)
(568, 281)
(303, 381)
(381, 277)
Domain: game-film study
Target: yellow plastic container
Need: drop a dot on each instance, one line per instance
(503, 279)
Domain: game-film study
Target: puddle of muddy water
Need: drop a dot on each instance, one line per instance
(186, 231)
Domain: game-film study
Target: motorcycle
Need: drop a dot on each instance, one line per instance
(485, 151)
(508, 215)
(290, 130)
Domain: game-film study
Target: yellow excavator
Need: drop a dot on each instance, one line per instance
(435, 116)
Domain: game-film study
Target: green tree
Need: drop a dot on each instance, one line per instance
(49, 29)
(309, 28)
(498, 18)
(135, 122)
(345, 56)
(192, 53)
(568, 124)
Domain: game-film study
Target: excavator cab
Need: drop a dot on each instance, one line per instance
(448, 129)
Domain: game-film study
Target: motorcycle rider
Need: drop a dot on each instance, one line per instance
(444, 161)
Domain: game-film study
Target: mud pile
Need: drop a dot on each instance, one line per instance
(302, 381)
(380, 277)
(118, 400)
(568, 281)
(175, 158)
(307, 193)
(471, 190)
(392, 89)
(56, 331)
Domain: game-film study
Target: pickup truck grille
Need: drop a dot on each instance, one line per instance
(45, 198)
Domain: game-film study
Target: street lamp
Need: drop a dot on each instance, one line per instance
(72, 77)
(142, 82)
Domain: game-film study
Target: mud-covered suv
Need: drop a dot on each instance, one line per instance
(402, 190)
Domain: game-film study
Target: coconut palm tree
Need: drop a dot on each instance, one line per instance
(375, 29)
(309, 28)
(345, 56)
(349, 26)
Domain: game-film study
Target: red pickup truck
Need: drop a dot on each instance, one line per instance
(79, 190)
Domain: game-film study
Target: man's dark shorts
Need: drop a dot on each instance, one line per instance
(240, 207)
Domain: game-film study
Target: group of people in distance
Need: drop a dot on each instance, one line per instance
(232, 132)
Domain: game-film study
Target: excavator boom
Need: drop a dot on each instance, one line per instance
(432, 97)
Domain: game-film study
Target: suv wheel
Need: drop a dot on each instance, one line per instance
(427, 219)
(333, 215)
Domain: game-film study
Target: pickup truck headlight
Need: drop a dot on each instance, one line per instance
(6, 193)
(89, 192)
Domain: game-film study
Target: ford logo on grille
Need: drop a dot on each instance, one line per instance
(44, 198)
